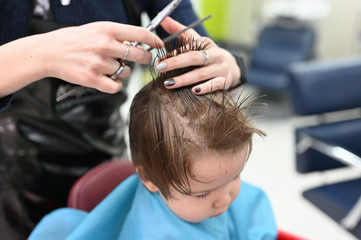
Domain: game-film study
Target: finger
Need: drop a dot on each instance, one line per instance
(218, 83)
(198, 75)
(172, 26)
(125, 74)
(192, 58)
(108, 85)
(107, 66)
(121, 72)
(127, 52)
(192, 77)
(186, 59)
(138, 34)
(139, 55)
(111, 68)
(138, 46)
(130, 53)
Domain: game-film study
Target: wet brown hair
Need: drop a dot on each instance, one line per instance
(168, 127)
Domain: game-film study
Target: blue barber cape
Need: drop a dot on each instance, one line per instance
(130, 211)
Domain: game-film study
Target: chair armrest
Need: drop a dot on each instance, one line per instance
(353, 217)
(333, 151)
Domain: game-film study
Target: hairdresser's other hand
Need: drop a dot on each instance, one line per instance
(84, 55)
(220, 72)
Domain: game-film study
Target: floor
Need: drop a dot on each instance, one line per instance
(271, 166)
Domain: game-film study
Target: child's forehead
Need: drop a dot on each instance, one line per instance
(210, 167)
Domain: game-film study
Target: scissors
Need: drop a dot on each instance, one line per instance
(160, 17)
(175, 35)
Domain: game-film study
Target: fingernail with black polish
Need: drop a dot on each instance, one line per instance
(197, 90)
(169, 82)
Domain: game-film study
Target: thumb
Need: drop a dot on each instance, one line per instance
(171, 26)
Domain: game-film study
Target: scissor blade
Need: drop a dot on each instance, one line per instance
(154, 23)
(192, 25)
(163, 14)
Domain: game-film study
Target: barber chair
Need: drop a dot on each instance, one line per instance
(327, 91)
(279, 45)
(96, 184)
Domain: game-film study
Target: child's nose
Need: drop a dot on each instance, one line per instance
(223, 201)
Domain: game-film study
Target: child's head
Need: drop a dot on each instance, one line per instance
(189, 148)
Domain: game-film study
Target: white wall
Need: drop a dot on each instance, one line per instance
(339, 33)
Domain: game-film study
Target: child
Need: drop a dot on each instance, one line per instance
(189, 152)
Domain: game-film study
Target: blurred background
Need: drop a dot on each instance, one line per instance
(302, 56)
(336, 23)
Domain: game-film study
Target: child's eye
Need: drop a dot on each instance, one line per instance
(203, 195)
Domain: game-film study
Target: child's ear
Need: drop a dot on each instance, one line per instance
(148, 184)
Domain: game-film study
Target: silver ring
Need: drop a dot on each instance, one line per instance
(206, 58)
(126, 53)
(118, 72)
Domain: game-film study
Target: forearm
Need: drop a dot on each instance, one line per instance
(84, 55)
(21, 62)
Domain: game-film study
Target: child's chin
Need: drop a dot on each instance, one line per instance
(194, 220)
(217, 215)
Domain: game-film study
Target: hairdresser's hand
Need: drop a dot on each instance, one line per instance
(84, 55)
(221, 71)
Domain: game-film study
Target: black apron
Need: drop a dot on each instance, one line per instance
(45, 145)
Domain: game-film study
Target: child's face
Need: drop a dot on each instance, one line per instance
(217, 186)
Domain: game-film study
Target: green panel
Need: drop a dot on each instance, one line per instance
(218, 25)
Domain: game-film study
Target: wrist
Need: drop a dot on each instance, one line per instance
(38, 59)
(242, 77)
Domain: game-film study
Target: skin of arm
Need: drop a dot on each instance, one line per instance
(75, 55)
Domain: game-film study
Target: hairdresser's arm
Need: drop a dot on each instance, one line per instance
(82, 55)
